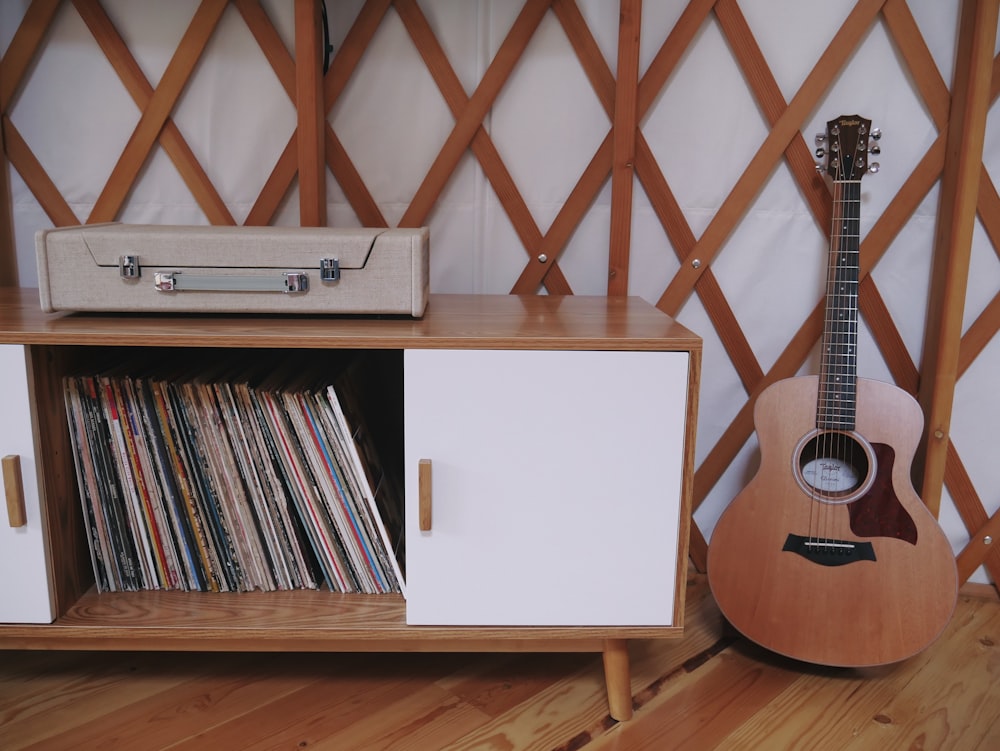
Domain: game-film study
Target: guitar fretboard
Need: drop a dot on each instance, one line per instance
(838, 369)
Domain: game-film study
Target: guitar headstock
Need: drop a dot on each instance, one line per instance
(846, 144)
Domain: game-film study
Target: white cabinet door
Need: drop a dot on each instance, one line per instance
(24, 581)
(556, 486)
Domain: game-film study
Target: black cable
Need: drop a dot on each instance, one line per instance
(327, 47)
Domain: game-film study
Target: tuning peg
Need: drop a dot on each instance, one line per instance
(876, 133)
(820, 139)
(819, 169)
(820, 152)
(874, 149)
(873, 167)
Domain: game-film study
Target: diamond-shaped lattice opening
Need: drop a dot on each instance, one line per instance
(792, 35)
(904, 274)
(151, 31)
(243, 137)
(392, 161)
(547, 122)
(70, 134)
(975, 417)
(690, 117)
(724, 391)
(778, 239)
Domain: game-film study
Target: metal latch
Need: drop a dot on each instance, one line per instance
(296, 281)
(128, 267)
(164, 282)
(329, 269)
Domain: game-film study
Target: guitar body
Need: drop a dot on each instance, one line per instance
(855, 576)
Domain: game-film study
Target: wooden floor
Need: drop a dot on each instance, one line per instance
(709, 690)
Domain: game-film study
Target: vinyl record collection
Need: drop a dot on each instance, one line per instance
(235, 481)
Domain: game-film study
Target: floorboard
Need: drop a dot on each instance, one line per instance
(709, 690)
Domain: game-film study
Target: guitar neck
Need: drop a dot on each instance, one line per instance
(836, 407)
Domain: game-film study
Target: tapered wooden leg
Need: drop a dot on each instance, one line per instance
(618, 679)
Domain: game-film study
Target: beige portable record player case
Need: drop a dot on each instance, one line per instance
(215, 269)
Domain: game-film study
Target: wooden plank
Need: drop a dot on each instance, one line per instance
(623, 144)
(275, 187)
(47, 698)
(260, 25)
(351, 182)
(173, 142)
(229, 688)
(669, 55)
(704, 706)
(354, 46)
(587, 52)
(23, 47)
(35, 177)
(310, 114)
(980, 548)
(923, 70)
(581, 197)
(399, 690)
(279, 182)
(969, 505)
(844, 709)
(513, 701)
(8, 249)
(929, 702)
(764, 87)
(979, 334)
(158, 109)
(566, 221)
(953, 243)
(20, 52)
(897, 357)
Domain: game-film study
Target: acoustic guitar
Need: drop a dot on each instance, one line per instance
(828, 555)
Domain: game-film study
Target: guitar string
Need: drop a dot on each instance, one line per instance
(837, 404)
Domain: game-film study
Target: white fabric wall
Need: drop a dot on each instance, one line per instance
(547, 123)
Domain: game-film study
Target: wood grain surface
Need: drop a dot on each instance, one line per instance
(709, 690)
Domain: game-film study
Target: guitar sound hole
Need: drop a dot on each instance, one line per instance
(834, 466)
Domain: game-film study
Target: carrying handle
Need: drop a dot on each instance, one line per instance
(424, 495)
(14, 490)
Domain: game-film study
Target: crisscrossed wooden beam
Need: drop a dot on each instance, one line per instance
(158, 108)
(482, 145)
(961, 189)
(170, 137)
(599, 168)
(623, 145)
(783, 130)
(22, 50)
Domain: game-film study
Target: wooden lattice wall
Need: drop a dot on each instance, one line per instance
(624, 159)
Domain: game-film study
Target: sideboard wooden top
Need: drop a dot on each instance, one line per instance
(467, 321)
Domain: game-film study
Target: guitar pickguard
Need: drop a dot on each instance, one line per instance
(879, 512)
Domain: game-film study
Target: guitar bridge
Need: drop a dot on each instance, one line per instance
(827, 552)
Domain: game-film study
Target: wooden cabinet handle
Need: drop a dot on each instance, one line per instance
(424, 495)
(14, 490)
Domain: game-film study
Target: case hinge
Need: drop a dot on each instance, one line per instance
(329, 269)
(128, 267)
